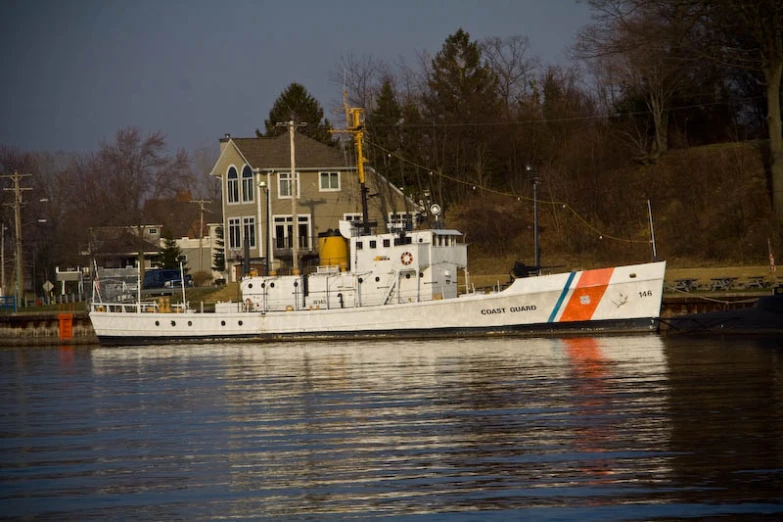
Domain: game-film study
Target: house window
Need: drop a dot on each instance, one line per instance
(355, 219)
(232, 188)
(330, 181)
(284, 233)
(153, 231)
(250, 231)
(284, 185)
(400, 221)
(234, 234)
(247, 185)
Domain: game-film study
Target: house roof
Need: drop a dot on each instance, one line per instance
(111, 241)
(275, 153)
(180, 216)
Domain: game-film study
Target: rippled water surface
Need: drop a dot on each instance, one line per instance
(624, 428)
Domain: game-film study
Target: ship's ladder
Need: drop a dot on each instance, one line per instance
(391, 292)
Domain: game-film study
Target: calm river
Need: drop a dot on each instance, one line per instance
(623, 428)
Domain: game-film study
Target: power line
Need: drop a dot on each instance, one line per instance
(540, 121)
(519, 197)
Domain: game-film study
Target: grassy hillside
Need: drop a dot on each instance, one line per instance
(711, 207)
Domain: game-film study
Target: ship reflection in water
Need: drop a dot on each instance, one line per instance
(621, 428)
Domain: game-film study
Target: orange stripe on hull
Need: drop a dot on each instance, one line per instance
(588, 293)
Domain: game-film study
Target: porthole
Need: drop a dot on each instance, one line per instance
(296, 283)
(222, 323)
(173, 323)
(377, 279)
(250, 285)
(240, 323)
(157, 323)
(361, 280)
(263, 285)
(271, 285)
(407, 276)
(421, 274)
(190, 323)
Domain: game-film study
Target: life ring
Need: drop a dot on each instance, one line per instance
(406, 258)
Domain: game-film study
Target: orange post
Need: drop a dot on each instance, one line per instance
(66, 326)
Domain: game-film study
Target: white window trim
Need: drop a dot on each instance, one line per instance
(287, 218)
(250, 220)
(237, 223)
(280, 182)
(228, 186)
(399, 218)
(329, 172)
(246, 182)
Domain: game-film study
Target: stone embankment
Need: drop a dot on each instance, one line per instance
(46, 329)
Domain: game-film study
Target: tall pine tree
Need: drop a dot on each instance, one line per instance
(383, 126)
(461, 99)
(297, 104)
(219, 258)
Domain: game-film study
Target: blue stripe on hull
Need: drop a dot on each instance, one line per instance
(612, 326)
(562, 297)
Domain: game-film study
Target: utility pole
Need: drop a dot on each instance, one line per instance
(18, 190)
(294, 185)
(201, 203)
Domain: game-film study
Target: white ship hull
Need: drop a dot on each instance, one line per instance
(612, 300)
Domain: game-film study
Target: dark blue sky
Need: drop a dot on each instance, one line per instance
(76, 71)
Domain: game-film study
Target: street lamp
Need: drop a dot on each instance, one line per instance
(265, 186)
(262, 185)
(535, 180)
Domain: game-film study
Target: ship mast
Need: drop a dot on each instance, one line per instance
(354, 121)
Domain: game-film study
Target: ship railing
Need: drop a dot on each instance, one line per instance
(116, 307)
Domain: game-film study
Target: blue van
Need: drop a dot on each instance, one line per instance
(164, 278)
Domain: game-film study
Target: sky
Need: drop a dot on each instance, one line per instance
(74, 72)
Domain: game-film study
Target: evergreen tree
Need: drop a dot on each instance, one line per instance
(383, 126)
(384, 121)
(297, 104)
(461, 88)
(461, 98)
(219, 259)
(170, 254)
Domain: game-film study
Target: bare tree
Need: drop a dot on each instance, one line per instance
(749, 35)
(124, 173)
(361, 77)
(646, 39)
(513, 67)
(207, 186)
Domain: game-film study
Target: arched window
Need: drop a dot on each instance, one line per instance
(247, 185)
(233, 186)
